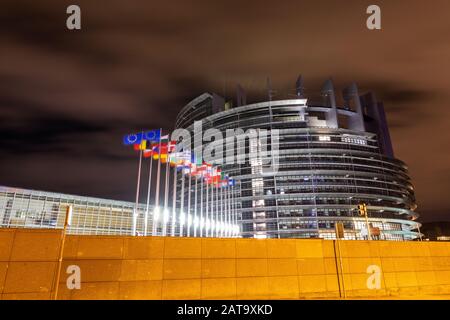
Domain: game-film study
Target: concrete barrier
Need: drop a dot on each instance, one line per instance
(117, 267)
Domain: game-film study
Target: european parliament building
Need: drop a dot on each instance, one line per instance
(332, 158)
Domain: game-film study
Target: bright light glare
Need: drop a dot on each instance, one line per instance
(202, 223)
(156, 213)
(260, 236)
(182, 218)
(196, 222)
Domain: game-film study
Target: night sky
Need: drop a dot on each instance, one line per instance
(68, 97)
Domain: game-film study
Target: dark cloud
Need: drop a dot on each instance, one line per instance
(406, 106)
(67, 97)
(434, 215)
(43, 134)
(406, 96)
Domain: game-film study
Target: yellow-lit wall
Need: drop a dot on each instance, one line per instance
(117, 267)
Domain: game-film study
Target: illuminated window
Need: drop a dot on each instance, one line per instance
(354, 140)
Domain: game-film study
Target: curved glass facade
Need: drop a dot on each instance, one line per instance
(331, 158)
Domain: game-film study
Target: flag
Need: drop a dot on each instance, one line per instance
(156, 150)
(216, 176)
(163, 148)
(163, 153)
(179, 158)
(136, 138)
(152, 151)
(171, 146)
(198, 161)
(186, 159)
(153, 135)
(140, 146)
(224, 181)
(193, 170)
(167, 148)
(207, 169)
(201, 170)
(165, 139)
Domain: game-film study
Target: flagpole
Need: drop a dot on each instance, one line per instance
(195, 209)
(239, 208)
(230, 199)
(211, 214)
(230, 212)
(233, 210)
(166, 197)
(224, 212)
(174, 202)
(213, 222)
(135, 211)
(189, 220)
(222, 225)
(201, 206)
(217, 211)
(158, 180)
(207, 222)
(182, 219)
(148, 196)
(228, 209)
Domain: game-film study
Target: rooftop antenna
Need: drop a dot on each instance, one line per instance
(270, 92)
(329, 100)
(328, 94)
(241, 96)
(352, 99)
(299, 89)
(225, 87)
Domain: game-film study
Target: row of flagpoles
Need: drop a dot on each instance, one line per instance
(213, 212)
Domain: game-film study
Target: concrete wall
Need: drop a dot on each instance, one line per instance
(114, 267)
